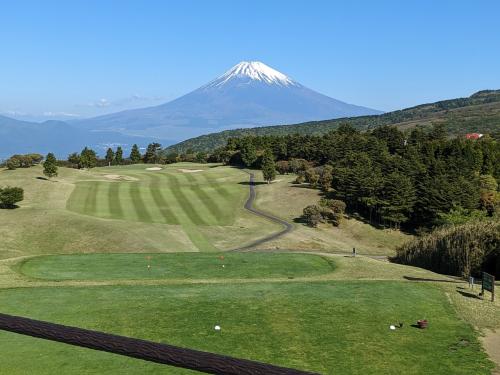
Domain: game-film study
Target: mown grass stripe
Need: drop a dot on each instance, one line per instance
(206, 199)
(114, 204)
(90, 205)
(184, 201)
(138, 203)
(217, 186)
(160, 201)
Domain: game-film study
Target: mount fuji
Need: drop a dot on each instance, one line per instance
(247, 95)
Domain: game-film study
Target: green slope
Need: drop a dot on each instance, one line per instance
(478, 113)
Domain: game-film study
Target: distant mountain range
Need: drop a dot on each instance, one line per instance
(478, 113)
(249, 94)
(20, 137)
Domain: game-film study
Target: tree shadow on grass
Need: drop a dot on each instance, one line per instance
(45, 179)
(256, 183)
(8, 207)
(411, 278)
(468, 294)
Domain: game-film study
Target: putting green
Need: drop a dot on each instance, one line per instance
(189, 266)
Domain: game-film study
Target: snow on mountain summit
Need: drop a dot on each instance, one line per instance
(253, 70)
(247, 95)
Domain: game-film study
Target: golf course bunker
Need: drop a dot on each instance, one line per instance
(178, 266)
(154, 169)
(118, 177)
(190, 170)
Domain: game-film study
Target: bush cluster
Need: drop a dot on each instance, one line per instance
(9, 196)
(327, 210)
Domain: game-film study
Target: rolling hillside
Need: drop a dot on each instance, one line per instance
(478, 113)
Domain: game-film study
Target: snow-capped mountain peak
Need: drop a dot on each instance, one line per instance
(253, 70)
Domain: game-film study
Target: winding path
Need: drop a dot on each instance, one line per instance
(287, 227)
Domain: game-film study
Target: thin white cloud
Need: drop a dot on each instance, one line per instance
(101, 103)
(60, 114)
(132, 100)
(14, 113)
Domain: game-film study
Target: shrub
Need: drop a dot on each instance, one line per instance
(283, 167)
(460, 250)
(9, 196)
(300, 178)
(333, 210)
(312, 176)
(312, 215)
(297, 165)
(23, 161)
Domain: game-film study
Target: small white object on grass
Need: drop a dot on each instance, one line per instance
(392, 327)
(223, 266)
(217, 328)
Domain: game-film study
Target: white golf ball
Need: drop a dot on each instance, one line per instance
(392, 327)
(217, 328)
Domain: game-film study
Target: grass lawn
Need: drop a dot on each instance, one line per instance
(142, 211)
(76, 250)
(174, 266)
(337, 327)
(287, 200)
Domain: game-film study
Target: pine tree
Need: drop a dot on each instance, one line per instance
(88, 158)
(50, 166)
(119, 156)
(397, 198)
(135, 155)
(152, 153)
(110, 155)
(268, 166)
(248, 153)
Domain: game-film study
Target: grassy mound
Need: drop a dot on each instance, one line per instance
(459, 250)
(189, 266)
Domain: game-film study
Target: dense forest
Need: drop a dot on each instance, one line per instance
(416, 179)
(478, 113)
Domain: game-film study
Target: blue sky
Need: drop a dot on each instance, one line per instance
(91, 57)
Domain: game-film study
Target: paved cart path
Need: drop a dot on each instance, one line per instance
(287, 227)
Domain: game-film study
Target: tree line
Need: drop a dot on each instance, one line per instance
(417, 178)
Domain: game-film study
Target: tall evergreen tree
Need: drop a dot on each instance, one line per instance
(152, 153)
(74, 159)
(88, 158)
(135, 155)
(110, 156)
(50, 166)
(268, 166)
(248, 154)
(397, 198)
(119, 156)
